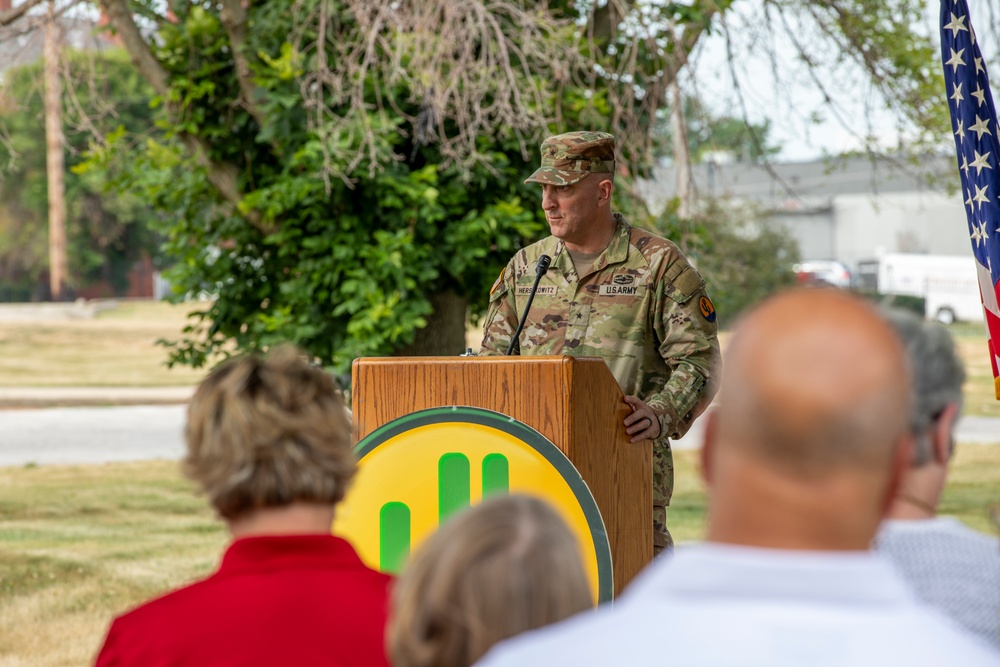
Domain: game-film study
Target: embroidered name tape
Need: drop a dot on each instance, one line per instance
(548, 290)
(622, 290)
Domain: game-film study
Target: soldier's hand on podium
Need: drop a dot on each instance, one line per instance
(642, 424)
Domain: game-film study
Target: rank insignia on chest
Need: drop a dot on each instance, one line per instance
(622, 290)
(543, 290)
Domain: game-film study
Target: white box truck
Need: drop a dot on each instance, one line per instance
(949, 284)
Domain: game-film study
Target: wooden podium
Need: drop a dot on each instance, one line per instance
(573, 401)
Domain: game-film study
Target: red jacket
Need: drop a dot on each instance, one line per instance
(282, 600)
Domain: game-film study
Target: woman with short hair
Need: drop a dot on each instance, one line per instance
(496, 570)
(269, 442)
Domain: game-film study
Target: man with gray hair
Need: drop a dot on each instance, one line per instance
(951, 567)
(801, 460)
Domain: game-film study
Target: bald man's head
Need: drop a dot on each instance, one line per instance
(815, 382)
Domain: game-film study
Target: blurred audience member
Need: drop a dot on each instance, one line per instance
(802, 459)
(269, 441)
(494, 571)
(951, 567)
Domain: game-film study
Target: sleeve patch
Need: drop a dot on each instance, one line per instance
(707, 308)
(498, 282)
(683, 282)
(689, 282)
(499, 292)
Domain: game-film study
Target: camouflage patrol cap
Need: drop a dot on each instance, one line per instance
(566, 158)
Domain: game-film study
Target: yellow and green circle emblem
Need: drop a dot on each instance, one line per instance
(416, 471)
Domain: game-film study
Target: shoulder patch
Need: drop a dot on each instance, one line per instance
(682, 280)
(499, 281)
(707, 308)
(688, 282)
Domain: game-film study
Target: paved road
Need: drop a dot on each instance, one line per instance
(98, 435)
(91, 435)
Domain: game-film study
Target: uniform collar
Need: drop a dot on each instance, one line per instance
(267, 551)
(615, 253)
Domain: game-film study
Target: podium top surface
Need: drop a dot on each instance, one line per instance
(512, 359)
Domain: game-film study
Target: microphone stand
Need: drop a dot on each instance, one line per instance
(540, 269)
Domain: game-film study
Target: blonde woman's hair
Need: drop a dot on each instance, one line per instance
(266, 432)
(494, 571)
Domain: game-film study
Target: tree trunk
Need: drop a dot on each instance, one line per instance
(444, 334)
(682, 156)
(54, 162)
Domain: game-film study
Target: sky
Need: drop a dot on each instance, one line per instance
(793, 101)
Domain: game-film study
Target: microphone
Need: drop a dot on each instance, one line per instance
(540, 269)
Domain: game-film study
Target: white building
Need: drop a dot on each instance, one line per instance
(848, 209)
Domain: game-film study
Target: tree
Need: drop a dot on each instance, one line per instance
(342, 173)
(741, 255)
(707, 134)
(875, 55)
(351, 186)
(107, 232)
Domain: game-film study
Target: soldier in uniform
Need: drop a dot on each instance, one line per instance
(616, 292)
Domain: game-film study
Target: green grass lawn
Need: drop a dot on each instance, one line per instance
(118, 348)
(115, 348)
(79, 544)
(980, 396)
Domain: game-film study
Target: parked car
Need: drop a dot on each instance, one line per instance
(823, 272)
(948, 284)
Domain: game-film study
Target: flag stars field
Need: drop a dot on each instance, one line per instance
(981, 197)
(980, 128)
(957, 24)
(956, 60)
(981, 161)
(958, 38)
(980, 95)
(979, 233)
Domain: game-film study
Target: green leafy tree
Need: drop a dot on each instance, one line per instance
(346, 174)
(349, 175)
(107, 232)
(744, 140)
(743, 257)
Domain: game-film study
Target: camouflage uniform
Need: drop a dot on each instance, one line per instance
(642, 308)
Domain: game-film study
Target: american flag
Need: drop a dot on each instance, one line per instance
(974, 122)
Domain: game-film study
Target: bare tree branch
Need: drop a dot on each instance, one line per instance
(25, 24)
(455, 70)
(234, 19)
(121, 19)
(222, 175)
(637, 89)
(14, 13)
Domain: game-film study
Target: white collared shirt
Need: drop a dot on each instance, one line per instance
(725, 606)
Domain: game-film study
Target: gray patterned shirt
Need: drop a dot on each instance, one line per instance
(951, 567)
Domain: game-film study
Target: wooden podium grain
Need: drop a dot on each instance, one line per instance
(573, 401)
